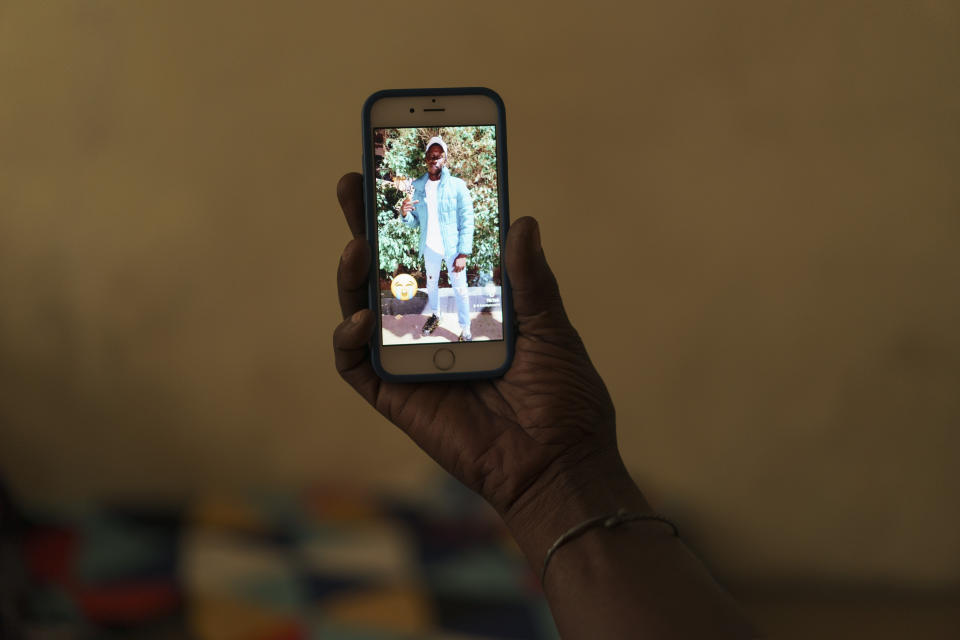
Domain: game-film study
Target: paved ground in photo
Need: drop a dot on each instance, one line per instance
(405, 329)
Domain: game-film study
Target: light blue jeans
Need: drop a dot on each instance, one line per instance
(458, 280)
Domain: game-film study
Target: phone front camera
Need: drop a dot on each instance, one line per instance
(411, 109)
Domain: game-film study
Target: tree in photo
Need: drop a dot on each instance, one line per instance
(471, 156)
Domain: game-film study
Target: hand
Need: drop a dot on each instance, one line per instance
(407, 206)
(539, 445)
(508, 438)
(459, 263)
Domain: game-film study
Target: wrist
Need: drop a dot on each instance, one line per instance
(568, 493)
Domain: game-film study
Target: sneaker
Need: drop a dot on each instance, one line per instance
(465, 337)
(431, 324)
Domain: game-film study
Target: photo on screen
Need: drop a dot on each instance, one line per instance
(438, 232)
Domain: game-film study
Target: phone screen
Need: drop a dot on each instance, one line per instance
(438, 234)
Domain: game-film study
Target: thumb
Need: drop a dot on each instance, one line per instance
(536, 296)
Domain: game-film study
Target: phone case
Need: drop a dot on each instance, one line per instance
(369, 202)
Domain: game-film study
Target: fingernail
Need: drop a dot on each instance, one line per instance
(536, 235)
(357, 316)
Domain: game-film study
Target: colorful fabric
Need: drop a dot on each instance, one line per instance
(322, 564)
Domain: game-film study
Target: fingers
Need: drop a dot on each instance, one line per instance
(355, 260)
(352, 276)
(351, 353)
(351, 338)
(535, 291)
(350, 194)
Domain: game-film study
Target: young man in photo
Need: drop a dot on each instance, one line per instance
(443, 209)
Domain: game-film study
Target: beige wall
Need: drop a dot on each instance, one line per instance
(752, 207)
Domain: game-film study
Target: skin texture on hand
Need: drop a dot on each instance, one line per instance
(499, 437)
(539, 444)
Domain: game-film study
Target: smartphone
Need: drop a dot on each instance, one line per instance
(435, 192)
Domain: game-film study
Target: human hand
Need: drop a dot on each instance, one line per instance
(546, 425)
(407, 206)
(459, 263)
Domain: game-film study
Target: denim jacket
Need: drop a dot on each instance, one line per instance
(455, 210)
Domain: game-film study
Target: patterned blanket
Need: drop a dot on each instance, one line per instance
(321, 564)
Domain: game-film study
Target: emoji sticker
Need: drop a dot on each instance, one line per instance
(404, 286)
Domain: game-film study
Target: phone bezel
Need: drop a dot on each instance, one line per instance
(461, 107)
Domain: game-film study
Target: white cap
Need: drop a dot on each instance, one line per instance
(435, 140)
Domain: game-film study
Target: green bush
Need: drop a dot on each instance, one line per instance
(471, 156)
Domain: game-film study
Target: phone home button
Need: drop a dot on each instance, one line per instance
(443, 359)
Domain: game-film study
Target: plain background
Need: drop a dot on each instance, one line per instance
(752, 208)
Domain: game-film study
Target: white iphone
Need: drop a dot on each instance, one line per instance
(435, 192)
